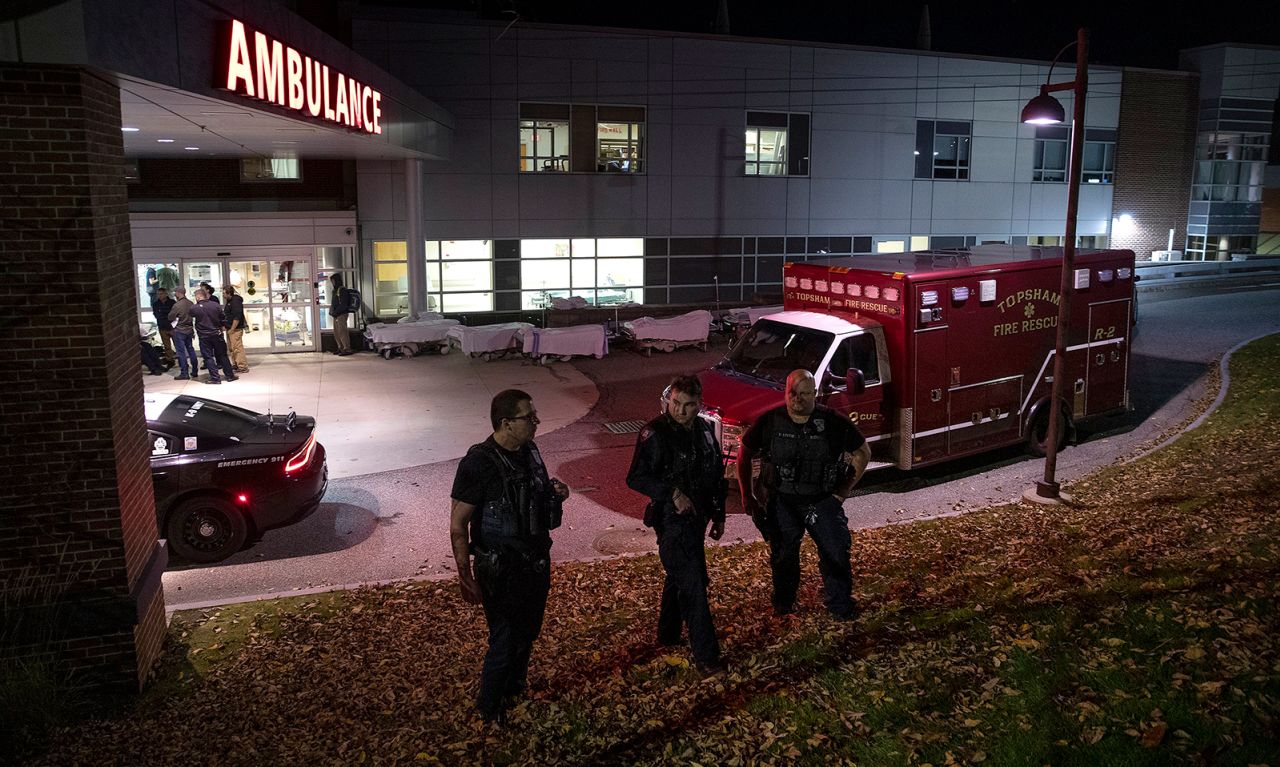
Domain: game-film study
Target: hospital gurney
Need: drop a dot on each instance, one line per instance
(487, 341)
(669, 333)
(546, 344)
(737, 321)
(409, 338)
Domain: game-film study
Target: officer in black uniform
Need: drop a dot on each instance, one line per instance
(811, 457)
(677, 464)
(504, 507)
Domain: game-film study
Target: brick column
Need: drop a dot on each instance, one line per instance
(79, 563)
(1155, 158)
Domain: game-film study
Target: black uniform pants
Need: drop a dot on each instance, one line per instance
(684, 593)
(513, 588)
(827, 524)
(213, 348)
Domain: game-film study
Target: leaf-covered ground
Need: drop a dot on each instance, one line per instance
(1138, 627)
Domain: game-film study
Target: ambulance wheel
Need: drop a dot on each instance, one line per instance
(205, 529)
(1038, 435)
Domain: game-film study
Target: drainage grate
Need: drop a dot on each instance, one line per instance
(625, 427)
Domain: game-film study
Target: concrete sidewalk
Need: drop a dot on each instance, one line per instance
(377, 415)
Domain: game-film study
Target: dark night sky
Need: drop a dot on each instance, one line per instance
(1145, 34)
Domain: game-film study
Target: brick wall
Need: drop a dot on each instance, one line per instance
(1154, 159)
(79, 563)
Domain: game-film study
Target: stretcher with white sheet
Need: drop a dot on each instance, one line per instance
(737, 321)
(546, 344)
(488, 341)
(669, 333)
(410, 338)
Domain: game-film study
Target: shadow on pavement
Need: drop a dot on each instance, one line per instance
(332, 527)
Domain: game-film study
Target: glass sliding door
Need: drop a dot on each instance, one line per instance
(292, 305)
(278, 293)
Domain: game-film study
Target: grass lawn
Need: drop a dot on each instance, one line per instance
(1139, 627)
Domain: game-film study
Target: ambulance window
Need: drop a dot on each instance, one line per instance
(856, 352)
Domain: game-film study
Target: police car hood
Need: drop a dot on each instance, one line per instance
(244, 425)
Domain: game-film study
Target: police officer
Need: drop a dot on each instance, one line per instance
(504, 506)
(207, 317)
(811, 457)
(677, 464)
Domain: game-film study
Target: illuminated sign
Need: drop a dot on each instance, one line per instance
(268, 70)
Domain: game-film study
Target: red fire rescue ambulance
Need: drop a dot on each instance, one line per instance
(937, 354)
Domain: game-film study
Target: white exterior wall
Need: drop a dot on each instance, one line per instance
(864, 106)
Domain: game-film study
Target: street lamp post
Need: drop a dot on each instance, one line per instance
(1044, 110)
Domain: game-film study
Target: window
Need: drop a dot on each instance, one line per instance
(390, 279)
(1218, 248)
(777, 144)
(1052, 146)
(270, 169)
(544, 138)
(618, 146)
(858, 352)
(942, 149)
(582, 138)
(331, 260)
(459, 275)
(1099, 162)
(1230, 167)
(602, 272)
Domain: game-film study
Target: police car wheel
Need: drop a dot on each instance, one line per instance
(206, 529)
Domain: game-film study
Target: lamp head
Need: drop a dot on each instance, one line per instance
(1043, 110)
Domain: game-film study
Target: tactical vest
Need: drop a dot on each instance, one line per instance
(527, 507)
(693, 462)
(801, 457)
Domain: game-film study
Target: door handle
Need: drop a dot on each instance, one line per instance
(159, 474)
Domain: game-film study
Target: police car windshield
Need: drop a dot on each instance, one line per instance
(771, 350)
(213, 417)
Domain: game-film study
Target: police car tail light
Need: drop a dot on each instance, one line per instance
(302, 458)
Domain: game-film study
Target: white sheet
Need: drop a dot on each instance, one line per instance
(692, 326)
(748, 315)
(487, 338)
(423, 332)
(559, 342)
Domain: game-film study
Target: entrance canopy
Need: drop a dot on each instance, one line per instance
(205, 79)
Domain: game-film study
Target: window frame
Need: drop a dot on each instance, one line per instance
(437, 300)
(585, 148)
(794, 127)
(928, 135)
(273, 179)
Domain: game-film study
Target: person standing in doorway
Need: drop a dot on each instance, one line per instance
(161, 309)
(184, 336)
(208, 319)
(810, 459)
(234, 314)
(677, 464)
(340, 312)
(503, 508)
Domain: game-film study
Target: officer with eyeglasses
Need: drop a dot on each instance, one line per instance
(504, 507)
(677, 464)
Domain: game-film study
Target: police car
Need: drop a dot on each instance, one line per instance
(224, 475)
